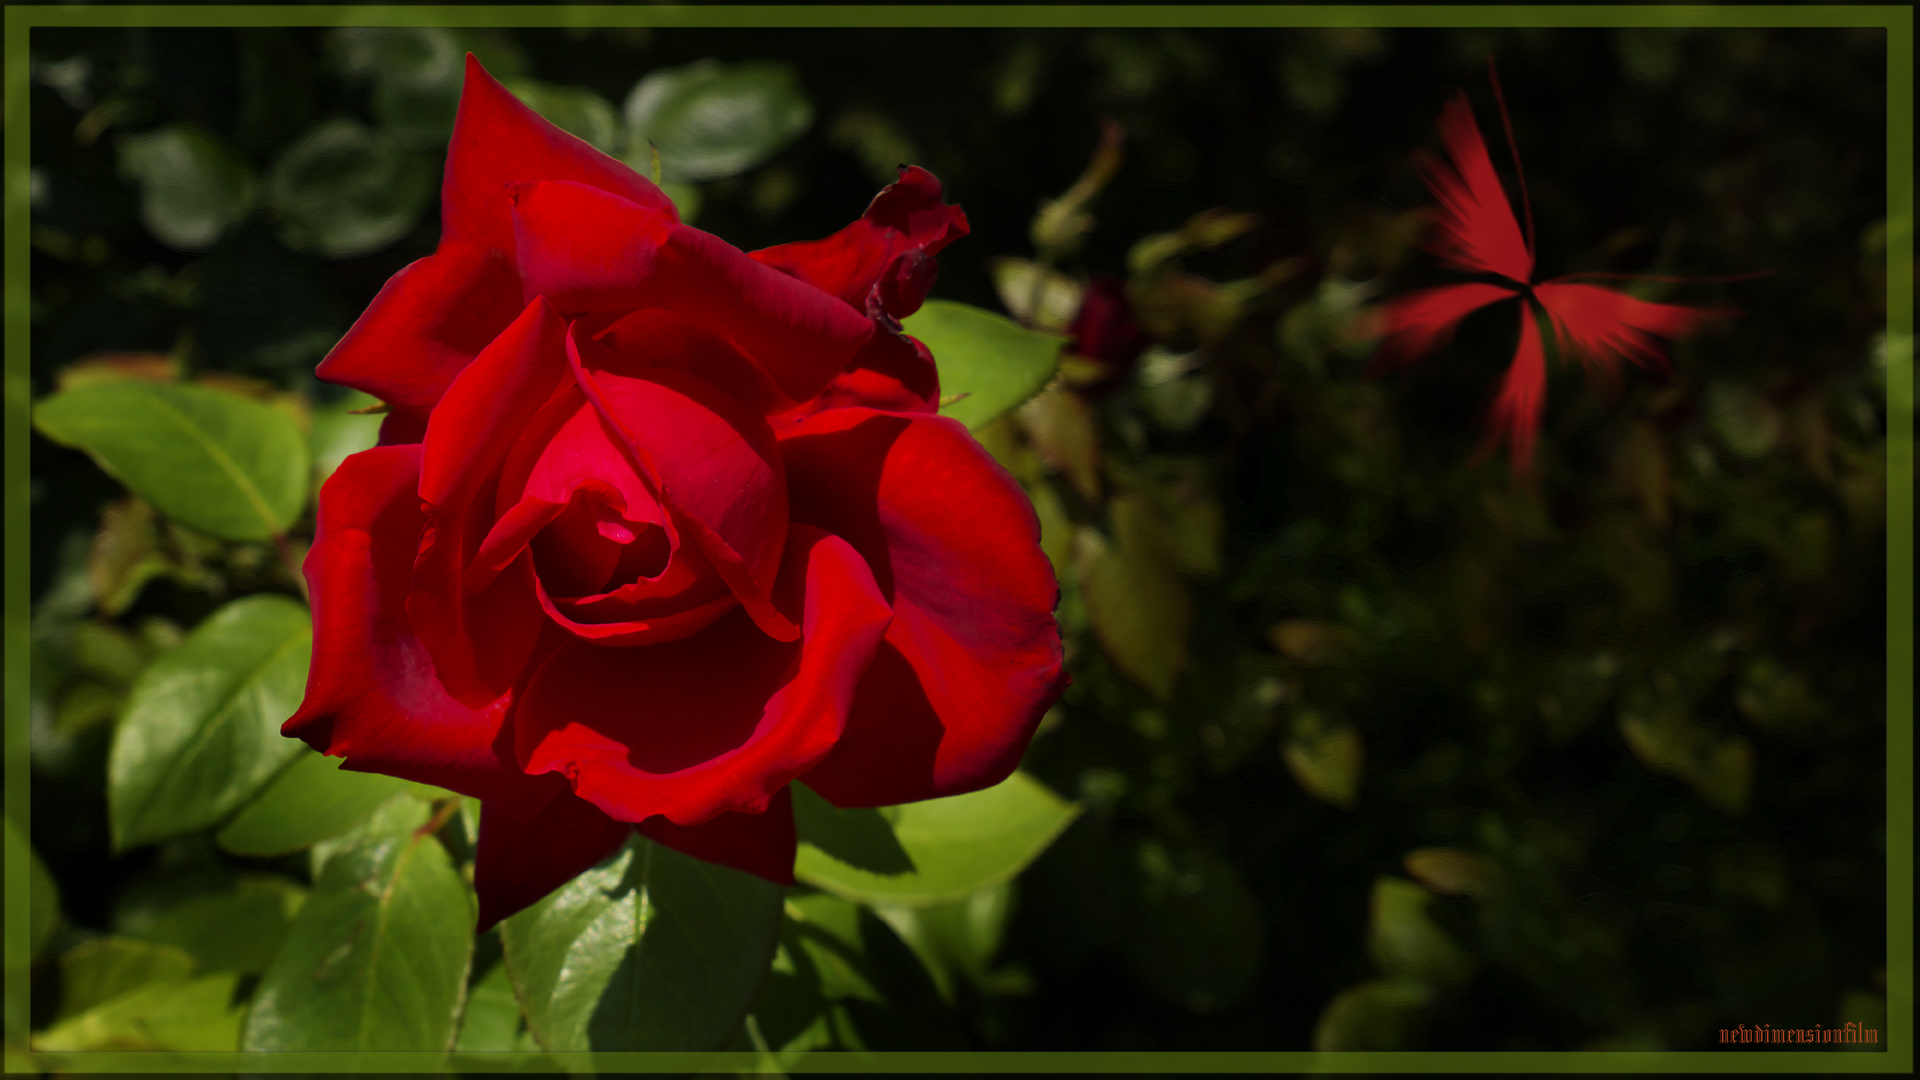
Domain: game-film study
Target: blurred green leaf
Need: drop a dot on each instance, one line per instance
(991, 359)
(573, 109)
(712, 120)
(958, 941)
(192, 189)
(312, 799)
(125, 555)
(232, 925)
(201, 732)
(1193, 932)
(957, 845)
(1406, 943)
(376, 960)
(1325, 758)
(825, 930)
(1039, 297)
(213, 460)
(339, 432)
(102, 969)
(43, 897)
(400, 815)
(140, 997)
(650, 950)
(344, 191)
(1385, 1014)
(1062, 428)
(1139, 607)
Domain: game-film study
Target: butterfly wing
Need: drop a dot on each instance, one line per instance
(1475, 227)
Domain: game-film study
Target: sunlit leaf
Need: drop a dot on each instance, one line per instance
(989, 358)
(957, 845)
(1404, 940)
(1139, 607)
(310, 800)
(201, 732)
(376, 960)
(213, 460)
(650, 950)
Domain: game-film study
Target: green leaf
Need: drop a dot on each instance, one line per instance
(201, 732)
(234, 925)
(1406, 943)
(1384, 1014)
(492, 1018)
(958, 940)
(168, 1014)
(573, 109)
(339, 432)
(192, 189)
(43, 899)
(376, 960)
(991, 359)
(711, 120)
(344, 191)
(103, 969)
(650, 950)
(212, 460)
(861, 838)
(313, 799)
(958, 845)
(400, 815)
(1139, 607)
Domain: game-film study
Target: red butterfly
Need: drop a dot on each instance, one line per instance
(1476, 232)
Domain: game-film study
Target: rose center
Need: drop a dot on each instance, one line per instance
(591, 549)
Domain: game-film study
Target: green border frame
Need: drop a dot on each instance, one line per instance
(1898, 22)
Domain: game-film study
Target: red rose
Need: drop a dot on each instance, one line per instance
(658, 526)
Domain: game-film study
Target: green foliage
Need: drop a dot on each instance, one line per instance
(376, 959)
(218, 462)
(201, 733)
(651, 950)
(942, 850)
(985, 357)
(712, 120)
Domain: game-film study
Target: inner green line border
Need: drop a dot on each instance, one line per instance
(1896, 20)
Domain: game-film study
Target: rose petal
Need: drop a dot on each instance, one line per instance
(890, 246)
(1412, 325)
(715, 723)
(372, 696)
(589, 251)
(972, 658)
(519, 862)
(498, 141)
(746, 572)
(762, 844)
(894, 373)
(481, 640)
(427, 323)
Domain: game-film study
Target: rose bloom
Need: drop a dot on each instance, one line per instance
(658, 526)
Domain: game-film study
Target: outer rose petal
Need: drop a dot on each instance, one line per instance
(372, 696)
(973, 656)
(1477, 229)
(519, 862)
(760, 844)
(717, 722)
(894, 373)
(587, 250)
(1523, 394)
(428, 323)
(481, 641)
(498, 141)
(1601, 326)
(906, 219)
(1414, 324)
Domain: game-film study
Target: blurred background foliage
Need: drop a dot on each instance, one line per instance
(1378, 748)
